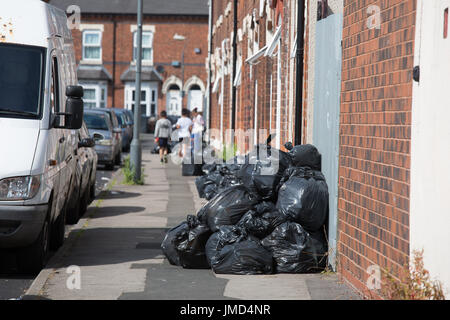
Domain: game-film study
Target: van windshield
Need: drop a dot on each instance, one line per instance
(97, 121)
(21, 80)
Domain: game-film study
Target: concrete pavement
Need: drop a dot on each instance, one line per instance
(115, 251)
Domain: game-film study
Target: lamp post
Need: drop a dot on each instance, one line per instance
(181, 38)
(136, 147)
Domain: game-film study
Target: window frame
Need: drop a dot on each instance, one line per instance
(148, 46)
(84, 44)
(149, 88)
(98, 87)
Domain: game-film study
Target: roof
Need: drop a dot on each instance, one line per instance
(151, 7)
(147, 74)
(93, 73)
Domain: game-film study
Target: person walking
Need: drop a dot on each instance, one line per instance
(184, 126)
(197, 131)
(163, 131)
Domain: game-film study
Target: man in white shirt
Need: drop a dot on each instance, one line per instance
(184, 126)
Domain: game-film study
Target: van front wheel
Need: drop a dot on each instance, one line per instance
(31, 260)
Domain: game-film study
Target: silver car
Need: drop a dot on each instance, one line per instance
(107, 144)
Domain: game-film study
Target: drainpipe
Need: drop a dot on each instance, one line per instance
(114, 63)
(233, 92)
(300, 66)
(208, 103)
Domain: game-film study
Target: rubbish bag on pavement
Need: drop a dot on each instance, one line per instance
(287, 243)
(191, 251)
(228, 207)
(224, 236)
(306, 155)
(210, 191)
(229, 251)
(264, 206)
(255, 225)
(200, 184)
(274, 217)
(172, 239)
(303, 197)
(314, 257)
(263, 170)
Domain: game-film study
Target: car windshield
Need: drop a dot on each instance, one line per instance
(21, 80)
(96, 121)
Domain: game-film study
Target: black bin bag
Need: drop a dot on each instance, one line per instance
(230, 251)
(224, 236)
(200, 183)
(191, 251)
(172, 239)
(306, 155)
(303, 197)
(255, 224)
(228, 207)
(314, 257)
(263, 170)
(286, 243)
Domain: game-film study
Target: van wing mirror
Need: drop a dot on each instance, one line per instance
(73, 117)
(74, 91)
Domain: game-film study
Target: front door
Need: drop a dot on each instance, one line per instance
(195, 100)
(174, 102)
(430, 139)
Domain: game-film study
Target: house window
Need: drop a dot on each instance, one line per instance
(149, 98)
(94, 95)
(147, 47)
(92, 45)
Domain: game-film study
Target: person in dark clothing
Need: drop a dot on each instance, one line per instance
(163, 131)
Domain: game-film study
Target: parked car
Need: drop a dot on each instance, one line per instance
(130, 115)
(127, 128)
(85, 174)
(102, 131)
(117, 130)
(38, 128)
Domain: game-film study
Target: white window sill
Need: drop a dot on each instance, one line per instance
(146, 63)
(91, 62)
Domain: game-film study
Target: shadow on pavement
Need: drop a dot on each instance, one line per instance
(120, 195)
(113, 211)
(107, 246)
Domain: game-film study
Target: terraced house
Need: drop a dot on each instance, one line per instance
(174, 52)
(365, 81)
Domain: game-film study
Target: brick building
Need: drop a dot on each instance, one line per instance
(252, 69)
(373, 101)
(175, 47)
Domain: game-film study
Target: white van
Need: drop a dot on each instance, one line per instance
(40, 112)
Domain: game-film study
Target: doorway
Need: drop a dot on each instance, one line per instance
(174, 100)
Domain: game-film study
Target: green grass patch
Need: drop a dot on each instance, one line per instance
(129, 173)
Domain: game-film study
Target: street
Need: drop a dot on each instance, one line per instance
(12, 284)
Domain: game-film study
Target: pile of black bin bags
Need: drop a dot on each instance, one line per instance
(261, 218)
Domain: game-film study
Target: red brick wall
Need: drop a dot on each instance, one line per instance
(375, 133)
(165, 49)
